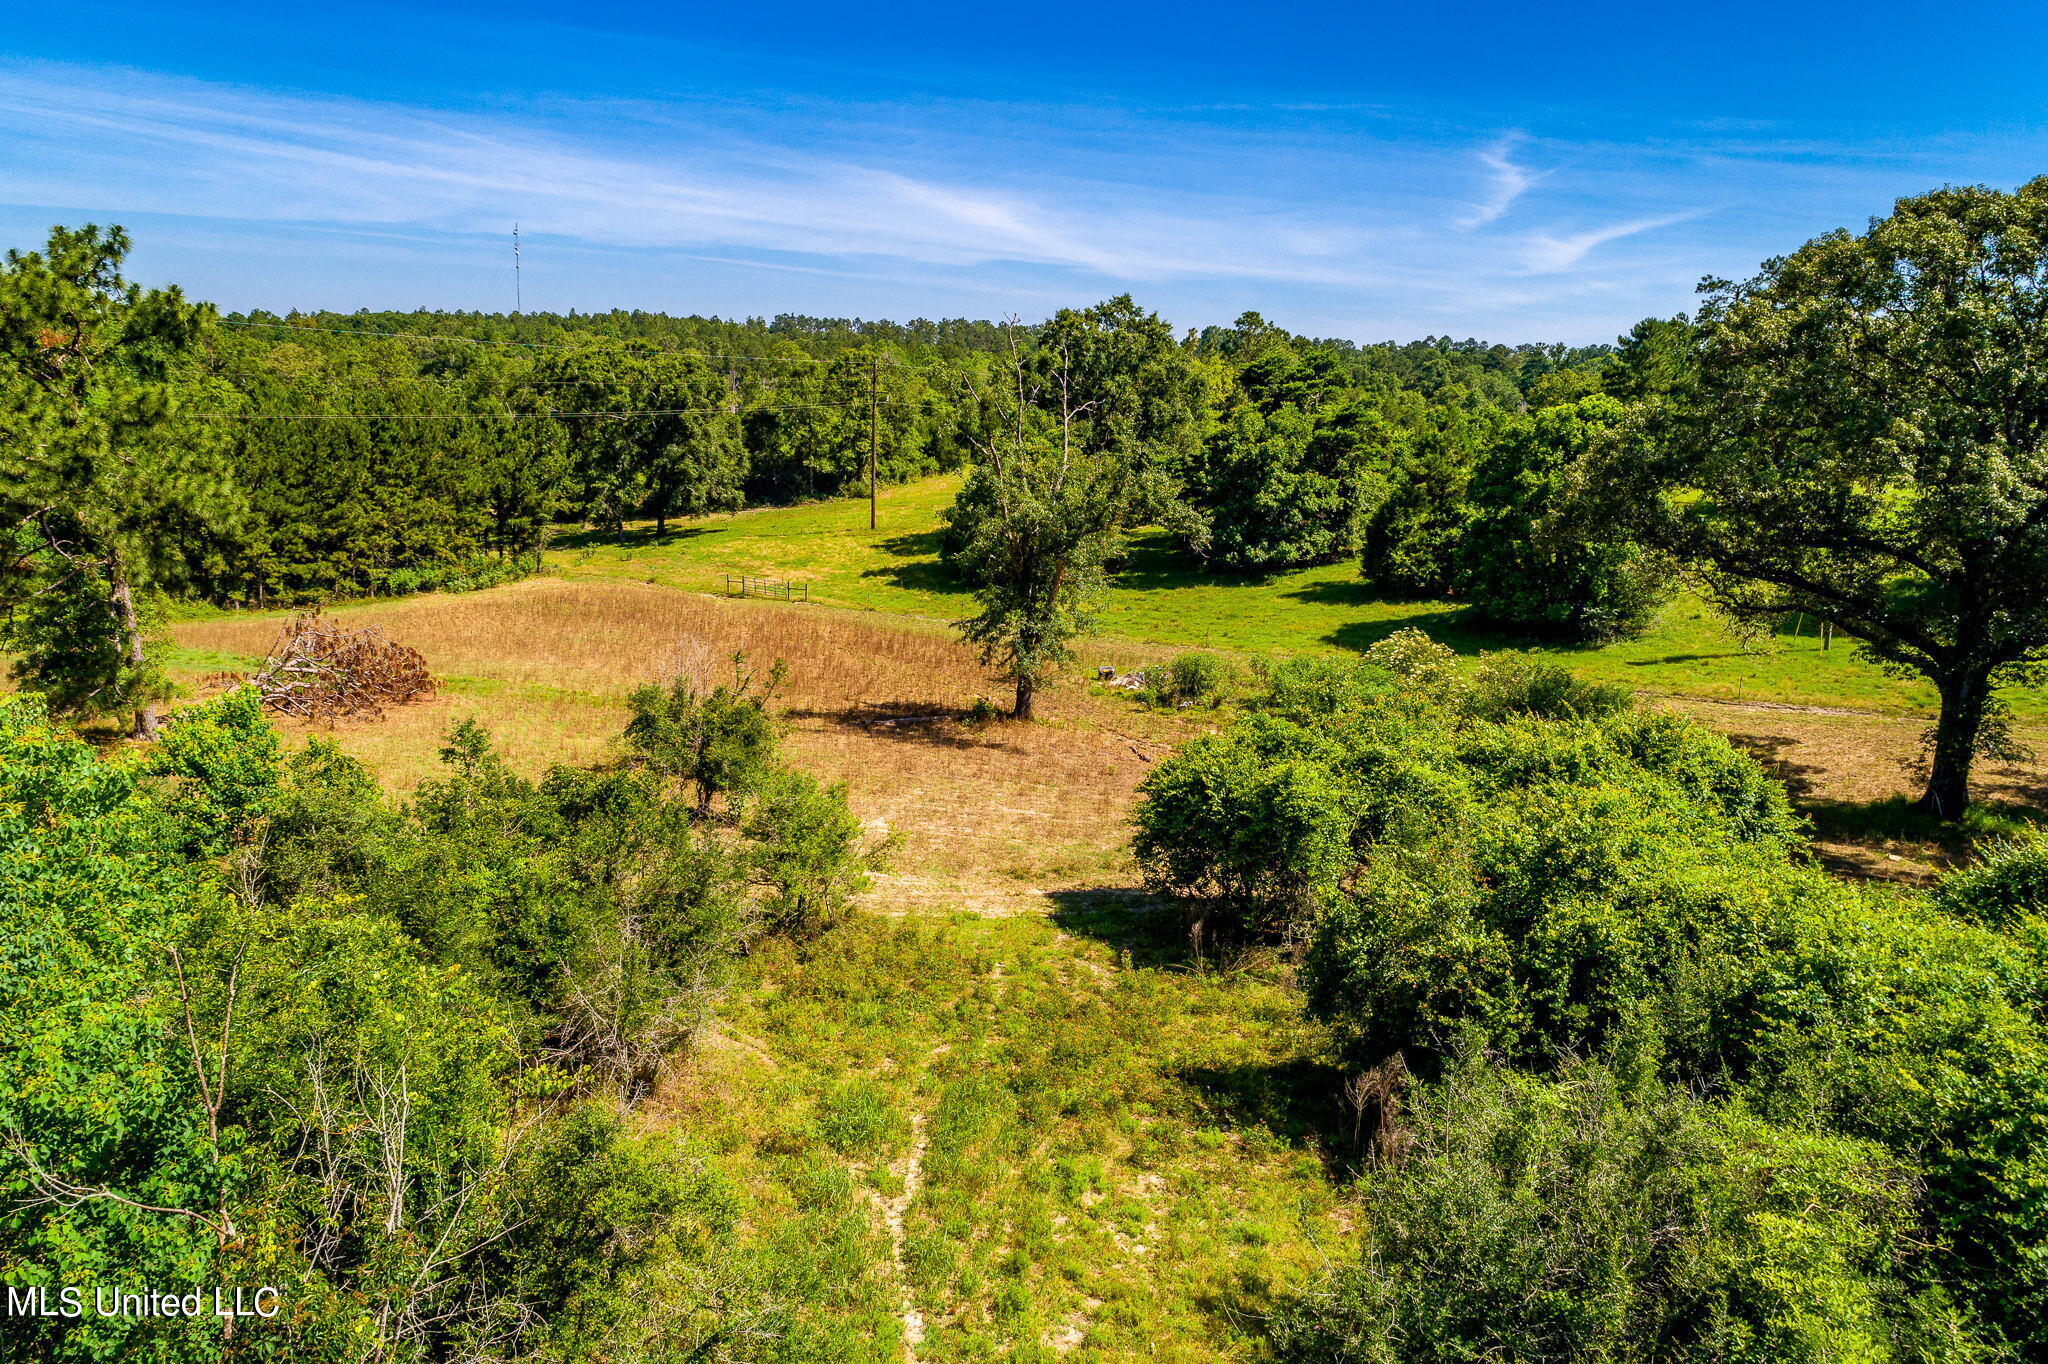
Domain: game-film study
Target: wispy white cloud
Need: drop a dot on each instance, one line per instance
(1508, 182)
(1545, 254)
(897, 208)
(153, 145)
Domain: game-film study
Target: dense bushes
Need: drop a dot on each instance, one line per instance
(1513, 885)
(1533, 561)
(1586, 1219)
(1465, 487)
(1263, 823)
(259, 1024)
(1289, 486)
(1410, 544)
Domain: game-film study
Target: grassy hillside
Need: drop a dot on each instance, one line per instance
(1162, 598)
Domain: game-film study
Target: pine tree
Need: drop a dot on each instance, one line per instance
(111, 480)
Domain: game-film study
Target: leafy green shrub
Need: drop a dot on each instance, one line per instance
(721, 742)
(1409, 544)
(806, 851)
(1563, 918)
(95, 1091)
(1319, 688)
(1517, 684)
(1284, 486)
(1257, 827)
(1573, 1219)
(1602, 920)
(1251, 827)
(1411, 655)
(1557, 877)
(337, 1044)
(1710, 771)
(2007, 885)
(1532, 560)
(1189, 680)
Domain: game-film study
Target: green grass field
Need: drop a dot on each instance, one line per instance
(1092, 1152)
(1163, 598)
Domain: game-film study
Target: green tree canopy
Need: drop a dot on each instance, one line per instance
(1864, 437)
(1042, 511)
(1535, 557)
(107, 479)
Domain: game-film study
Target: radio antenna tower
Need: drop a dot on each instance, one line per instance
(518, 286)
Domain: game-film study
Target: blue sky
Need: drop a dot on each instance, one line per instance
(1508, 171)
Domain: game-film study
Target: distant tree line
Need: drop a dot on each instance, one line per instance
(369, 446)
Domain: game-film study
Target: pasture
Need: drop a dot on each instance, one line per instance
(999, 1110)
(1161, 598)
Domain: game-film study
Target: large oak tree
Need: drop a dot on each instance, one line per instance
(1863, 436)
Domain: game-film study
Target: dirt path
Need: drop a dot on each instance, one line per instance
(893, 1211)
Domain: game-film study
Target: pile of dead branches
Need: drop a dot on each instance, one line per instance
(320, 671)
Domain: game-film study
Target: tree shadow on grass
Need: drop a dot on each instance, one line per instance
(1152, 930)
(917, 568)
(1299, 1100)
(1156, 562)
(1454, 627)
(1688, 658)
(1772, 752)
(636, 537)
(911, 722)
(1127, 918)
(1896, 820)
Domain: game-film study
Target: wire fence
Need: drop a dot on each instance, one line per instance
(743, 585)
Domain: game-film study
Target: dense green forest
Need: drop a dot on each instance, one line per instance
(384, 452)
(462, 453)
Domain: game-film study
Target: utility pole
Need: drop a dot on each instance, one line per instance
(874, 429)
(518, 285)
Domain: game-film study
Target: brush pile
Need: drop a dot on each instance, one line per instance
(319, 671)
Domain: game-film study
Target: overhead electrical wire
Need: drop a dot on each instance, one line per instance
(529, 416)
(951, 371)
(645, 348)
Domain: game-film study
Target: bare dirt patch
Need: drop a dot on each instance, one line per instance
(1837, 762)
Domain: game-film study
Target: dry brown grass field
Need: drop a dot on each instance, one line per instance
(986, 818)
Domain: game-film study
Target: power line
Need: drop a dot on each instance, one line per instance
(647, 348)
(524, 416)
